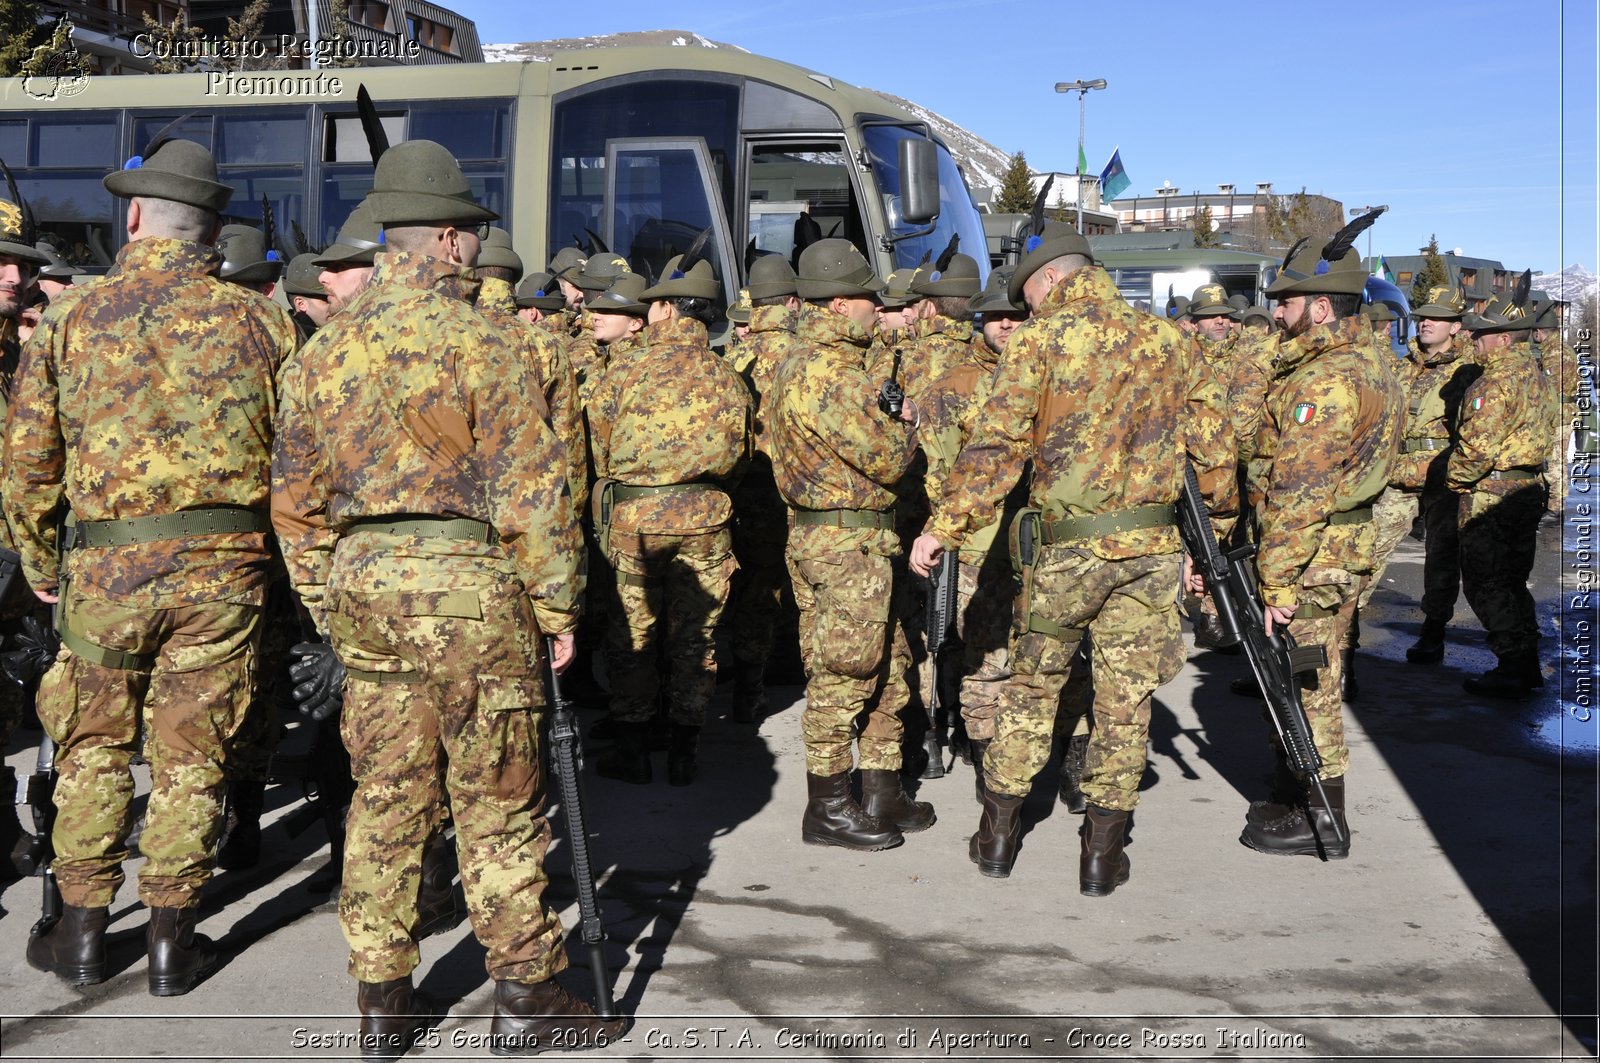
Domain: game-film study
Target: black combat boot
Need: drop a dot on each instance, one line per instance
(627, 760)
(1305, 833)
(883, 795)
(1102, 865)
(179, 957)
(832, 817)
(749, 690)
(994, 847)
(393, 1016)
(437, 910)
(1533, 673)
(1349, 690)
(980, 749)
(1246, 687)
(1288, 794)
(1429, 647)
(1070, 782)
(74, 950)
(682, 767)
(1507, 680)
(529, 1019)
(241, 849)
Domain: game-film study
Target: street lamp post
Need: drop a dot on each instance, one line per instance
(1082, 89)
(1356, 212)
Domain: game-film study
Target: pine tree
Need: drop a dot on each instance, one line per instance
(170, 41)
(1016, 188)
(1205, 230)
(19, 32)
(1433, 274)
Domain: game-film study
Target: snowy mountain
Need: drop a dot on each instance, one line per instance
(982, 162)
(1572, 284)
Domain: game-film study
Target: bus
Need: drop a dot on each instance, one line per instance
(1146, 277)
(637, 149)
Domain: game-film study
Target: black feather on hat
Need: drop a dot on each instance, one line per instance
(597, 246)
(942, 263)
(1340, 242)
(1037, 216)
(697, 250)
(371, 124)
(269, 231)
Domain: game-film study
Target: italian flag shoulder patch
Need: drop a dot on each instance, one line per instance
(1304, 411)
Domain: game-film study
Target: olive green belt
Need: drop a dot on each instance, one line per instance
(1514, 474)
(628, 492)
(1069, 529)
(134, 530)
(1411, 446)
(427, 528)
(1350, 516)
(846, 518)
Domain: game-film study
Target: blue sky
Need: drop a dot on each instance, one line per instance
(1458, 116)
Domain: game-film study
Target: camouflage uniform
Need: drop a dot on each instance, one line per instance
(1496, 465)
(439, 631)
(1104, 398)
(942, 343)
(1328, 440)
(149, 394)
(672, 549)
(1567, 383)
(832, 449)
(13, 699)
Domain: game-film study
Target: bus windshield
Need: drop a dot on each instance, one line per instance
(957, 215)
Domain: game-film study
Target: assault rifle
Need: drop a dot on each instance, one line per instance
(566, 765)
(1276, 660)
(940, 615)
(891, 396)
(38, 792)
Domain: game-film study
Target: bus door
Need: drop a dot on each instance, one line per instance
(659, 195)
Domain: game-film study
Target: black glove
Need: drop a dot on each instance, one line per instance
(31, 651)
(318, 679)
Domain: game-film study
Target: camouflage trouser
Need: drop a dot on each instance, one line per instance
(854, 652)
(758, 544)
(671, 591)
(1392, 516)
(1129, 608)
(1498, 544)
(1441, 559)
(250, 752)
(191, 702)
(1320, 695)
(465, 726)
(984, 600)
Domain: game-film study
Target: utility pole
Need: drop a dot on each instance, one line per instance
(1082, 89)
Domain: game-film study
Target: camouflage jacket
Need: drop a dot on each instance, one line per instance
(670, 412)
(950, 408)
(1330, 433)
(772, 339)
(831, 447)
(1249, 377)
(10, 356)
(942, 343)
(1503, 423)
(411, 402)
(1105, 399)
(1434, 384)
(553, 376)
(1561, 366)
(584, 352)
(149, 393)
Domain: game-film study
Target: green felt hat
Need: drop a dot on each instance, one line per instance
(897, 288)
(1256, 313)
(771, 277)
(1442, 302)
(739, 313)
(1056, 239)
(18, 234)
(833, 267)
(497, 252)
(179, 170)
(359, 239)
(1380, 313)
(960, 278)
(1503, 314)
(599, 271)
(568, 261)
(699, 282)
(56, 267)
(246, 258)
(540, 291)
(623, 297)
(1210, 300)
(303, 277)
(1333, 268)
(995, 299)
(420, 183)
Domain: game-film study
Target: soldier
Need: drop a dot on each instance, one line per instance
(616, 323)
(347, 263)
(1496, 465)
(943, 323)
(415, 475)
(664, 457)
(307, 298)
(836, 454)
(56, 275)
(1104, 399)
(170, 378)
(246, 259)
(583, 348)
(739, 318)
(761, 520)
(1435, 374)
(540, 302)
(1212, 315)
(1327, 441)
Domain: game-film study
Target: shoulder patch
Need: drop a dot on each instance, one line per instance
(1304, 412)
(1477, 403)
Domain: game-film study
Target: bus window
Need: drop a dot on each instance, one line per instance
(76, 143)
(957, 215)
(343, 139)
(14, 143)
(255, 139)
(474, 129)
(193, 127)
(790, 179)
(659, 199)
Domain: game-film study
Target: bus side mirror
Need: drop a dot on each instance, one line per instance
(919, 181)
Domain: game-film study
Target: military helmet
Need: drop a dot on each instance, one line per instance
(542, 292)
(359, 239)
(995, 300)
(599, 271)
(302, 277)
(834, 268)
(739, 313)
(497, 252)
(623, 297)
(1503, 314)
(959, 278)
(1055, 239)
(698, 282)
(771, 277)
(246, 259)
(1442, 302)
(179, 170)
(1210, 300)
(420, 183)
(568, 260)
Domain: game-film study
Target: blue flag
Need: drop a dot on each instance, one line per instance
(1113, 179)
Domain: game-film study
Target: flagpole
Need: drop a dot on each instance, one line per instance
(1082, 89)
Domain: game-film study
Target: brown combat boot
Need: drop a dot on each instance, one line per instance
(1305, 833)
(393, 1016)
(1069, 784)
(883, 795)
(543, 1017)
(994, 847)
(179, 958)
(437, 910)
(1102, 865)
(74, 950)
(832, 817)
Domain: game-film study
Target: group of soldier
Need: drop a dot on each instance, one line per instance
(416, 485)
